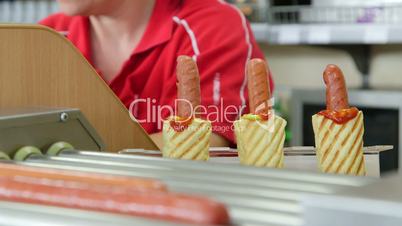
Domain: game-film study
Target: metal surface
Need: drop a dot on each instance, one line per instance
(243, 200)
(336, 14)
(208, 167)
(64, 117)
(254, 196)
(294, 150)
(321, 34)
(19, 214)
(376, 204)
(40, 127)
(305, 24)
(300, 158)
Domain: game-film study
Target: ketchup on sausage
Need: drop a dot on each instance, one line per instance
(338, 108)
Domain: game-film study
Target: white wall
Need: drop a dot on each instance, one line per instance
(303, 66)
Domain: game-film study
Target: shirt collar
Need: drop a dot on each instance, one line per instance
(160, 26)
(159, 29)
(79, 35)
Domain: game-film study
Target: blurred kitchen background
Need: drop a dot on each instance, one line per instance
(299, 38)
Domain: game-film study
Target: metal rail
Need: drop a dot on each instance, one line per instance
(254, 196)
(241, 210)
(222, 168)
(19, 214)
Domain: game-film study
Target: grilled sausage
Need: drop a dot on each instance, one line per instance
(188, 87)
(90, 178)
(337, 94)
(258, 86)
(151, 204)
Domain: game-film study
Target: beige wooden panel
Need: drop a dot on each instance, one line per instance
(39, 67)
(386, 67)
(302, 66)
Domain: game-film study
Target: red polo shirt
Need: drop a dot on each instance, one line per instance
(213, 32)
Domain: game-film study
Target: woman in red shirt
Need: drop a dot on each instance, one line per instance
(134, 44)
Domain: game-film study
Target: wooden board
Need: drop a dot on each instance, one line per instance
(39, 67)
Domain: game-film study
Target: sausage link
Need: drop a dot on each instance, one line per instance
(152, 204)
(258, 86)
(188, 87)
(90, 178)
(337, 94)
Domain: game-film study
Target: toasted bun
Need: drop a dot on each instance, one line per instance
(192, 143)
(339, 147)
(261, 143)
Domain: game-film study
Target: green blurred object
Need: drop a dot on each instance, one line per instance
(58, 147)
(24, 153)
(279, 110)
(4, 156)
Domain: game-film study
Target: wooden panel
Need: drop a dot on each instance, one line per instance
(39, 67)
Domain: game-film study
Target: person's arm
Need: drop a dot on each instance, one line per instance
(216, 140)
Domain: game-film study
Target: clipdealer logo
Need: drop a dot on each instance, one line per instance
(216, 114)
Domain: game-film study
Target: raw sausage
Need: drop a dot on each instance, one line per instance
(337, 94)
(152, 204)
(258, 86)
(75, 176)
(188, 87)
